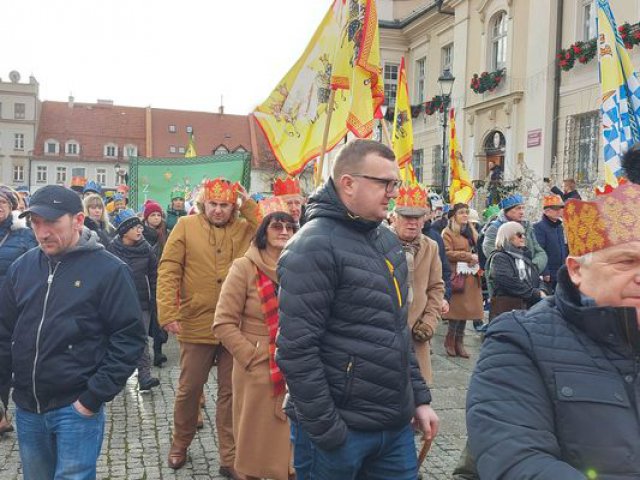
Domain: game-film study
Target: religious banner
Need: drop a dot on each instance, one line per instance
(155, 178)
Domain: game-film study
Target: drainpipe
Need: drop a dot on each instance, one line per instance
(556, 83)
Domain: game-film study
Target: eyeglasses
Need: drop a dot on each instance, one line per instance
(280, 226)
(390, 185)
(520, 234)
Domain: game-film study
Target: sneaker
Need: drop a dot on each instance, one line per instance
(148, 383)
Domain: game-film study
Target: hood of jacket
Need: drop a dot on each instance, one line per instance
(88, 242)
(326, 203)
(141, 248)
(260, 259)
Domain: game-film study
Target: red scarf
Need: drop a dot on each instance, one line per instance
(269, 306)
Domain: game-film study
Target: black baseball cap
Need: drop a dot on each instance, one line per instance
(53, 201)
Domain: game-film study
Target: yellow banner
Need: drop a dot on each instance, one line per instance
(402, 135)
(191, 148)
(461, 188)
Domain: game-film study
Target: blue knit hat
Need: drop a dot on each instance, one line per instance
(92, 186)
(125, 220)
(511, 201)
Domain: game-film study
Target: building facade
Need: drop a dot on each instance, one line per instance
(19, 115)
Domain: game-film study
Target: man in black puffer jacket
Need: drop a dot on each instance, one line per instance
(344, 346)
(556, 390)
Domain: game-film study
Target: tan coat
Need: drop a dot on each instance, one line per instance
(466, 305)
(260, 427)
(428, 293)
(194, 263)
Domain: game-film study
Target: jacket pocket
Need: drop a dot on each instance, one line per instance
(349, 372)
(590, 387)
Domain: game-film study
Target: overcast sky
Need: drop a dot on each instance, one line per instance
(167, 54)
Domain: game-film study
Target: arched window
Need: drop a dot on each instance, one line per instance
(51, 147)
(130, 151)
(221, 150)
(499, 41)
(72, 148)
(111, 150)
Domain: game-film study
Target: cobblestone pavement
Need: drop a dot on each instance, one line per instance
(138, 429)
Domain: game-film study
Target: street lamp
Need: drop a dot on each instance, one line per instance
(446, 85)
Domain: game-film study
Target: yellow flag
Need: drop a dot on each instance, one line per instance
(191, 148)
(461, 189)
(402, 135)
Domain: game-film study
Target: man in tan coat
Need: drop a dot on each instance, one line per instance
(426, 288)
(194, 264)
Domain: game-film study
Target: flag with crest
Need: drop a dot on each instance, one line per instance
(461, 188)
(402, 133)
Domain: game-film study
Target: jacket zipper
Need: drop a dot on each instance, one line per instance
(44, 312)
(349, 381)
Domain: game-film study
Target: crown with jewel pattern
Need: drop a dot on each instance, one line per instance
(271, 205)
(286, 186)
(611, 219)
(220, 189)
(412, 201)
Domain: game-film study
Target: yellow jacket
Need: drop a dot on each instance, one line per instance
(194, 264)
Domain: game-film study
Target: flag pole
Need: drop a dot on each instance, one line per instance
(385, 130)
(325, 138)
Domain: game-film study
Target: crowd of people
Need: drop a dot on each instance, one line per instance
(318, 315)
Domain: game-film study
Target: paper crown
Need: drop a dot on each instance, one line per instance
(286, 186)
(552, 201)
(271, 205)
(92, 186)
(78, 181)
(511, 201)
(611, 219)
(412, 200)
(220, 189)
(608, 188)
(177, 192)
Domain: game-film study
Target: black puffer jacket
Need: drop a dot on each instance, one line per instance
(513, 274)
(344, 346)
(144, 264)
(555, 392)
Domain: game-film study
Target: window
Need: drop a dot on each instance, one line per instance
(18, 141)
(51, 147)
(420, 79)
(189, 129)
(110, 150)
(240, 150)
(18, 174)
(101, 176)
(61, 174)
(437, 173)
(417, 161)
(172, 149)
(447, 58)
(130, 151)
(499, 41)
(121, 177)
(78, 172)
(181, 150)
(18, 111)
(221, 150)
(390, 83)
(172, 129)
(73, 148)
(582, 147)
(41, 174)
(588, 20)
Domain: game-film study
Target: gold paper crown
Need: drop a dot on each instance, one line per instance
(220, 189)
(412, 198)
(552, 201)
(271, 205)
(611, 219)
(287, 186)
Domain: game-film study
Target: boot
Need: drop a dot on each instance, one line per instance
(459, 347)
(148, 383)
(159, 359)
(449, 344)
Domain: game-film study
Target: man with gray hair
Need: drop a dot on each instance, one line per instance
(555, 390)
(344, 346)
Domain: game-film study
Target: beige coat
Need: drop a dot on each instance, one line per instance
(466, 305)
(194, 263)
(260, 427)
(428, 293)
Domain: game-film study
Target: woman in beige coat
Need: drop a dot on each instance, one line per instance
(246, 323)
(460, 243)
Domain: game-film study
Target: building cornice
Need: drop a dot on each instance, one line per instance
(412, 17)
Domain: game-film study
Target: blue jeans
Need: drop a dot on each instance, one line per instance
(384, 455)
(61, 444)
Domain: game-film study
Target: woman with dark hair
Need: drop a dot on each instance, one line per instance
(246, 322)
(461, 245)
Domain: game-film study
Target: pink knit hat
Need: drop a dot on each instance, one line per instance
(151, 207)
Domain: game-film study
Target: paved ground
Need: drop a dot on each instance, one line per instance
(137, 436)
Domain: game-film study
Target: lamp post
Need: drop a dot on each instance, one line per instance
(446, 85)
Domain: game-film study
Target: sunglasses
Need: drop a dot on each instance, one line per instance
(520, 234)
(280, 226)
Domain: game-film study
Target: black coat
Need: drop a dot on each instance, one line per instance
(506, 279)
(70, 327)
(555, 392)
(104, 237)
(550, 236)
(566, 196)
(344, 346)
(144, 265)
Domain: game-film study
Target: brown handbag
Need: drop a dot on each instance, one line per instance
(457, 283)
(502, 303)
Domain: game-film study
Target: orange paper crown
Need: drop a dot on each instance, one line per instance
(611, 219)
(552, 201)
(412, 200)
(271, 205)
(220, 189)
(78, 181)
(608, 188)
(287, 186)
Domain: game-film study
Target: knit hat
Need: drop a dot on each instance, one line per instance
(125, 220)
(151, 207)
(10, 196)
(511, 202)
